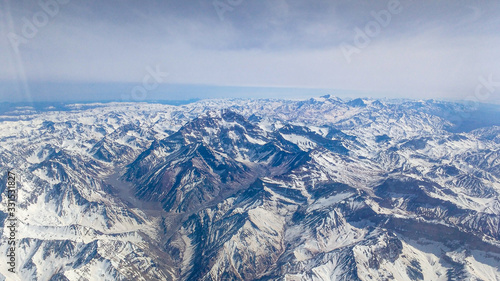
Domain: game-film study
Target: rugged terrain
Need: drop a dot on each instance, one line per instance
(320, 189)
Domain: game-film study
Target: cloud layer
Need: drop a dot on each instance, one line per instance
(419, 49)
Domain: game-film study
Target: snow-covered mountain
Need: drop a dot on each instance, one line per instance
(319, 189)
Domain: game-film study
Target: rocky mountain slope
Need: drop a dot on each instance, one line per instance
(320, 189)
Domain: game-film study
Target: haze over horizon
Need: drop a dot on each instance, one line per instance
(55, 50)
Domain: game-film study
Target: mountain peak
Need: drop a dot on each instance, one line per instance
(356, 103)
(214, 121)
(332, 98)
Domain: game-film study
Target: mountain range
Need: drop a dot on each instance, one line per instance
(264, 189)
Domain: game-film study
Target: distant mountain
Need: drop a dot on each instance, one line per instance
(319, 189)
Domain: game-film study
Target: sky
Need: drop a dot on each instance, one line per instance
(73, 50)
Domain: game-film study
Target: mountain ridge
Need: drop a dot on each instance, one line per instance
(320, 189)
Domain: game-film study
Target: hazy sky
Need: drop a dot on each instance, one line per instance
(77, 50)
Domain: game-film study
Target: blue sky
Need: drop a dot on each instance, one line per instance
(65, 50)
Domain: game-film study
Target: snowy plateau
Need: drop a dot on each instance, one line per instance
(262, 189)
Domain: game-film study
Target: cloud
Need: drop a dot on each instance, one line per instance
(429, 49)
